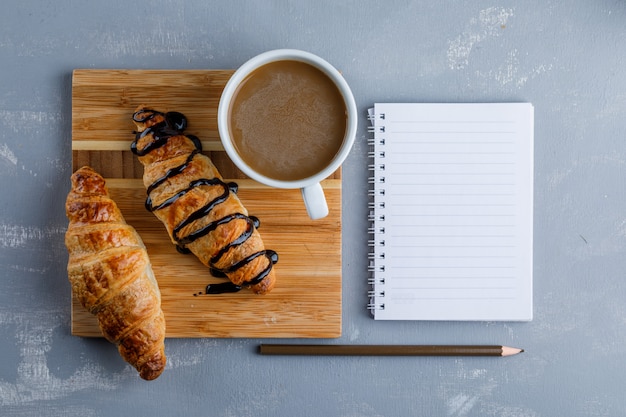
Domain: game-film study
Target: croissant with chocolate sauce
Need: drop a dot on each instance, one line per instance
(111, 275)
(201, 213)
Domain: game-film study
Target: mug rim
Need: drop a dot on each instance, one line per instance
(287, 55)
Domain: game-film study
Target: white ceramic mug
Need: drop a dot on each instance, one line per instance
(312, 192)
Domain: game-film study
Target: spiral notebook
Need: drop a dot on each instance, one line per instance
(451, 211)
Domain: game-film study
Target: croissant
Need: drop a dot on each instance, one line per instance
(111, 275)
(201, 213)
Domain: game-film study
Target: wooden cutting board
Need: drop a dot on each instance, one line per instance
(306, 301)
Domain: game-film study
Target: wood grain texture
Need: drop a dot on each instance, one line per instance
(307, 299)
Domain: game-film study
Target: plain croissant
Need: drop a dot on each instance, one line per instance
(201, 212)
(111, 275)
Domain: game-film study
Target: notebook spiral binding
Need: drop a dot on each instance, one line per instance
(376, 217)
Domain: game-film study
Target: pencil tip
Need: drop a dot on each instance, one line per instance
(508, 351)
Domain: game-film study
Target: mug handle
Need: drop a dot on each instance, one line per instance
(315, 201)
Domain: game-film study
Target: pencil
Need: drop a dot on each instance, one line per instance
(388, 350)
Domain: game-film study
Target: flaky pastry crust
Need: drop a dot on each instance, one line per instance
(111, 275)
(200, 211)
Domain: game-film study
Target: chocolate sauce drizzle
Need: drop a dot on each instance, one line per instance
(174, 124)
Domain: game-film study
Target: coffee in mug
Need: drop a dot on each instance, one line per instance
(288, 119)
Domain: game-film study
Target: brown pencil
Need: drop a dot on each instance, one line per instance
(388, 350)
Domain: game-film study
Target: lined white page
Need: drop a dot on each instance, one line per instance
(453, 216)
